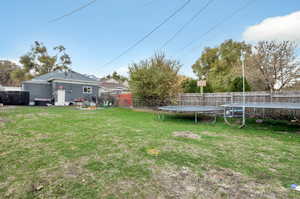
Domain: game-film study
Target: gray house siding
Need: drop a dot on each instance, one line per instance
(73, 91)
(47, 86)
(38, 90)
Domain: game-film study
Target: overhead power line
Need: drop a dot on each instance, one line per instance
(149, 2)
(219, 24)
(187, 23)
(73, 11)
(149, 34)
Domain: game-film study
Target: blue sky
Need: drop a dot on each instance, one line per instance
(100, 32)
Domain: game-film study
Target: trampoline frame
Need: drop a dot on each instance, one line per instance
(210, 110)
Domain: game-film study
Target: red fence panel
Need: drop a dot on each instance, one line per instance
(125, 100)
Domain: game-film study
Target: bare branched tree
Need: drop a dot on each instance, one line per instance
(276, 64)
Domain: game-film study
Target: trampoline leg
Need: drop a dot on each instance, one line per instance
(225, 119)
(244, 118)
(294, 115)
(215, 119)
(196, 119)
(160, 115)
(242, 126)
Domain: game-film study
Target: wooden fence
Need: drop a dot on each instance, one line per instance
(225, 98)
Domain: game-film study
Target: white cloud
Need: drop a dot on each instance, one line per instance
(188, 71)
(276, 28)
(123, 71)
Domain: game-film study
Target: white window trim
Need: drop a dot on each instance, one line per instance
(90, 88)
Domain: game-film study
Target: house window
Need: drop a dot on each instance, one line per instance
(87, 90)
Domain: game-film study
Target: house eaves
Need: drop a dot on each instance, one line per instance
(72, 81)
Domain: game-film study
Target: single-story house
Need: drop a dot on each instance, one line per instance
(61, 88)
(113, 86)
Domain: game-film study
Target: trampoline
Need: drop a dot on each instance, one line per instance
(257, 105)
(214, 110)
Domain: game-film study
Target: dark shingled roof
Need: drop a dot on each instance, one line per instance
(61, 75)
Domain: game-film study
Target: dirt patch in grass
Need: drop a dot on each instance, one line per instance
(43, 114)
(220, 134)
(214, 184)
(3, 121)
(51, 182)
(7, 107)
(129, 188)
(186, 134)
(74, 169)
(209, 133)
(49, 115)
(36, 116)
(88, 112)
(28, 116)
(183, 183)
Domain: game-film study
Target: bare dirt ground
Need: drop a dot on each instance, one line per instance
(185, 134)
(213, 184)
(3, 121)
(183, 183)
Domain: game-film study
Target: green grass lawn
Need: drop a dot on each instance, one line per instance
(69, 153)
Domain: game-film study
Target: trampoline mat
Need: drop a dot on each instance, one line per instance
(191, 108)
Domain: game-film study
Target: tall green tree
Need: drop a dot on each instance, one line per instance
(222, 64)
(38, 61)
(155, 81)
(237, 85)
(190, 86)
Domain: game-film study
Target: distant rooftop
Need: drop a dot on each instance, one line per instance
(113, 84)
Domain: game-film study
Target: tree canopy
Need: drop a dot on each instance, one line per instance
(117, 77)
(237, 85)
(38, 61)
(190, 86)
(222, 64)
(155, 81)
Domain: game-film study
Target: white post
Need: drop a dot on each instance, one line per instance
(244, 97)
